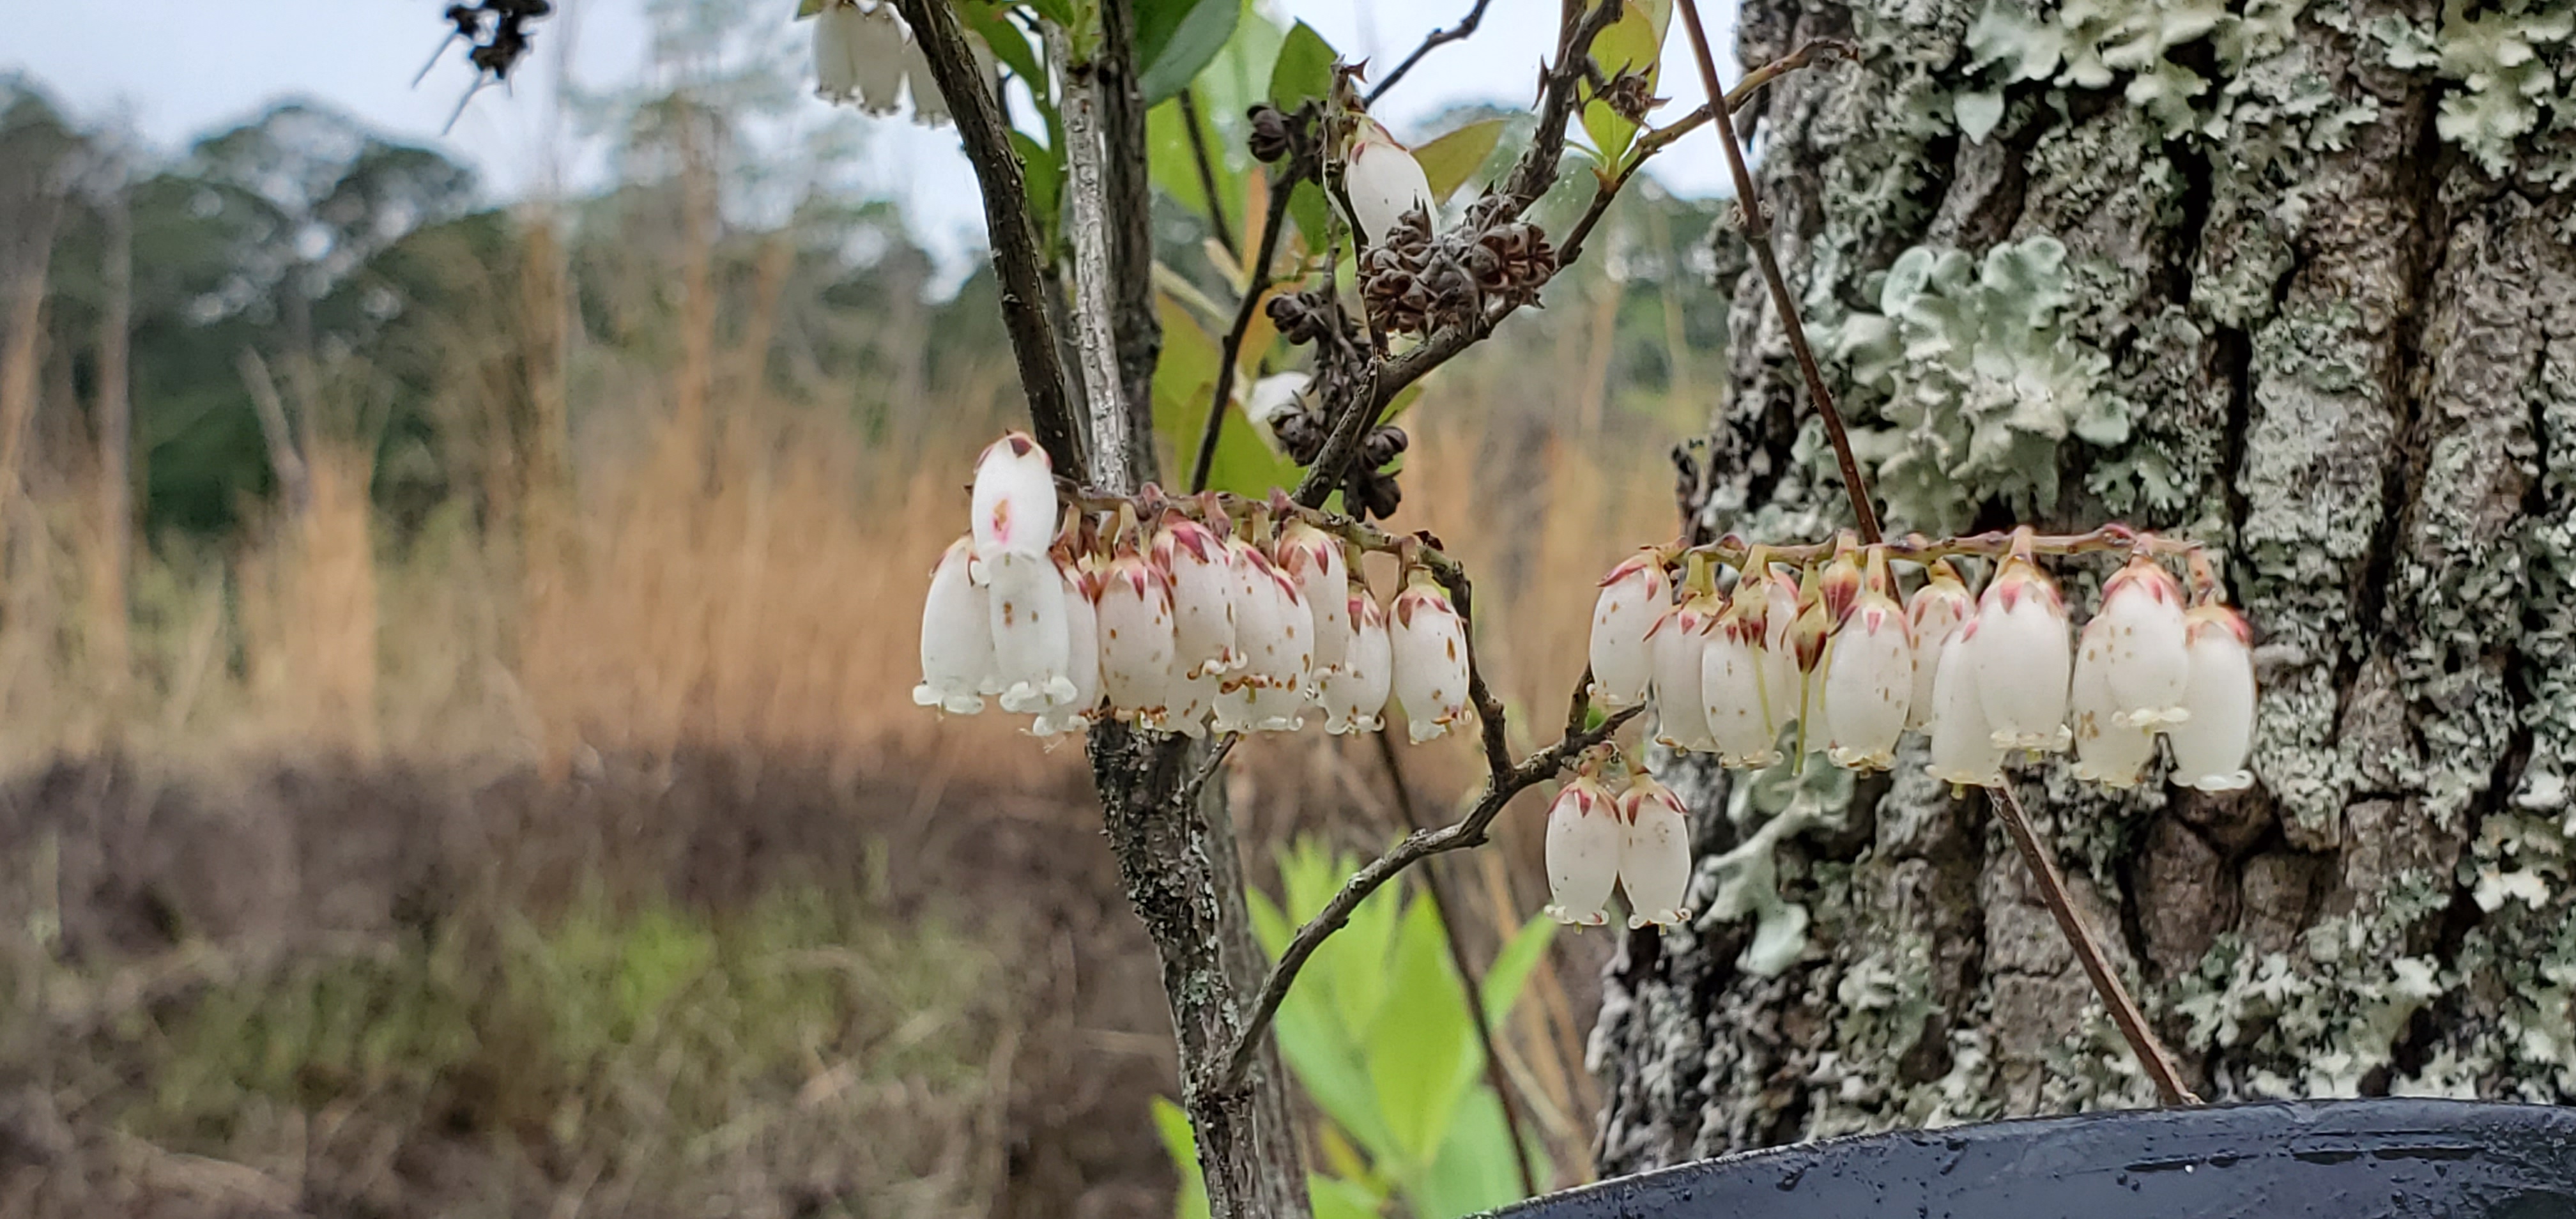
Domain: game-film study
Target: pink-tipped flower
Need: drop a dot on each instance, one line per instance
(1634, 597)
(2023, 654)
(1869, 678)
(1655, 858)
(1135, 623)
(2146, 653)
(1783, 680)
(1585, 839)
(1935, 613)
(1256, 615)
(1733, 668)
(1014, 499)
(1383, 182)
(1201, 575)
(1032, 640)
(1314, 560)
(1082, 656)
(1193, 704)
(1429, 643)
(1279, 658)
(1680, 645)
(1964, 752)
(2108, 750)
(2210, 745)
(1354, 694)
(956, 637)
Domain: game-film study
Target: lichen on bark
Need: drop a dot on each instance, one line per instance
(2344, 334)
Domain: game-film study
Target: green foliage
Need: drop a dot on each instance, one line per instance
(2514, 66)
(1184, 383)
(1450, 160)
(1175, 39)
(1378, 1033)
(1634, 42)
(1974, 382)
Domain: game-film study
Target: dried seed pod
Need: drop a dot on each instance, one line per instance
(1270, 139)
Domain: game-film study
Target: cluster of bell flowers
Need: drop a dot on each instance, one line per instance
(1637, 840)
(1193, 628)
(1838, 656)
(866, 56)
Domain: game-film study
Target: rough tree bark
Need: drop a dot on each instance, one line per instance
(2343, 332)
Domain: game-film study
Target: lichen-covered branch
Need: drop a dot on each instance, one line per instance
(1087, 224)
(1008, 228)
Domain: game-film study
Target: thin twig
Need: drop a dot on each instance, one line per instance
(2106, 981)
(987, 137)
(1466, 25)
(1231, 354)
(1207, 171)
(1757, 233)
(1469, 979)
(1658, 139)
(1468, 831)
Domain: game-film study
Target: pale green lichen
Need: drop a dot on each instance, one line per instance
(1974, 381)
(2093, 44)
(2515, 70)
(1747, 879)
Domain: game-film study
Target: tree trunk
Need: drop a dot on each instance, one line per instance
(2346, 352)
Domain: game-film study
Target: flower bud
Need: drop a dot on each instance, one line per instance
(1135, 622)
(1634, 596)
(2146, 657)
(1782, 681)
(1314, 560)
(1932, 616)
(1383, 182)
(1196, 566)
(1964, 751)
(1014, 499)
(2023, 654)
(1355, 693)
(1655, 858)
(2211, 744)
(1741, 718)
(1082, 656)
(956, 637)
(1680, 643)
(1429, 643)
(1585, 839)
(2108, 750)
(1032, 639)
(1868, 683)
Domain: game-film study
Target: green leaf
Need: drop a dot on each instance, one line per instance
(1304, 69)
(1636, 40)
(1177, 38)
(1010, 44)
(1475, 1170)
(808, 8)
(1509, 975)
(1314, 217)
(1422, 1049)
(1183, 1146)
(1184, 381)
(1174, 166)
(1449, 160)
(1335, 1198)
(1057, 11)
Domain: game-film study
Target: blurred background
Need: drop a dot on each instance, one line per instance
(458, 609)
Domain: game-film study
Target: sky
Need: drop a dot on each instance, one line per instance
(173, 69)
